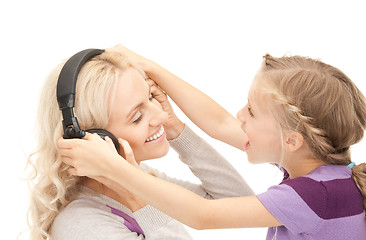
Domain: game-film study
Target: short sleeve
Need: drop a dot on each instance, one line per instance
(297, 204)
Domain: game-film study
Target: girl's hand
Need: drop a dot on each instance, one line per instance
(92, 156)
(123, 51)
(173, 127)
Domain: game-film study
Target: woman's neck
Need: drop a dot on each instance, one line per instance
(120, 195)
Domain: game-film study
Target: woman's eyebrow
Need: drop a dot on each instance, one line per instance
(129, 115)
(133, 109)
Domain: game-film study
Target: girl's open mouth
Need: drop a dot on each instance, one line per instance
(247, 146)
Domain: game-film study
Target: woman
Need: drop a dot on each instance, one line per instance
(112, 93)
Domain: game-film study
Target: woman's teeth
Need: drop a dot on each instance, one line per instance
(156, 135)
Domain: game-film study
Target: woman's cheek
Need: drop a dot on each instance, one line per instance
(137, 138)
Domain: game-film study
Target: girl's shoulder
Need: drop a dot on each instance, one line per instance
(324, 198)
(329, 191)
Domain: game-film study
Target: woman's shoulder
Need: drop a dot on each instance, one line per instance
(83, 216)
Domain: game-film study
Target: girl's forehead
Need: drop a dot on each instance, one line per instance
(259, 95)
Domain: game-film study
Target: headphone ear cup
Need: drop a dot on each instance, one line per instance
(104, 133)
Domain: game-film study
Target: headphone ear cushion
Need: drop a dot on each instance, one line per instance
(104, 133)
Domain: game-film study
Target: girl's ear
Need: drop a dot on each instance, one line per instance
(293, 141)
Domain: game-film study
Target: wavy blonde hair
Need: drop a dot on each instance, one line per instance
(51, 186)
(320, 102)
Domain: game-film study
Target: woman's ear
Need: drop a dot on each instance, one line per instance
(293, 141)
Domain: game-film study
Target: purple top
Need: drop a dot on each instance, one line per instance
(324, 204)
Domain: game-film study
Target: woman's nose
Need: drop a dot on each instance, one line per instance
(159, 116)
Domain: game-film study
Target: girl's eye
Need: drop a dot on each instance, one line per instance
(151, 97)
(137, 118)
(250, 112)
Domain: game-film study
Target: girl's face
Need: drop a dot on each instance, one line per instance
(137, 117)
(264, 135)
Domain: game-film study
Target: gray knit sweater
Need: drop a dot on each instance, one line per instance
(93, 216)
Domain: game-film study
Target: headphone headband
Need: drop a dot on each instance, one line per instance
(66, 91)
(67, 79)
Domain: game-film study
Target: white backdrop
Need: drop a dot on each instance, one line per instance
(216, 46)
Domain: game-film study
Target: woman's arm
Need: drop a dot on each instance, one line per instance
(96, 158)
(218, 177)
(200, 109)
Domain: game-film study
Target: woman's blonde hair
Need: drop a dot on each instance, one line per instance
(51, 186)
(320, 102)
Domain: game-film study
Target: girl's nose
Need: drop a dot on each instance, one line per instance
(240, 115)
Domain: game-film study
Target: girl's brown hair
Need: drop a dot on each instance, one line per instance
(321, 103)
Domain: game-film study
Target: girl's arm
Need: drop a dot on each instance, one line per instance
(96, 158)
(189, 208)
(218, 177)
(199, 108)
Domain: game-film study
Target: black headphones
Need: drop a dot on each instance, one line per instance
(66, 96)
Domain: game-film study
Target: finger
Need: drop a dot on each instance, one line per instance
(90, 136)
(73, 171)
(67, 160)
(151, 82)
(65, 152)
(158, 94)
(128, 150)
(154, 86)
(154, 89)
(65, 143)
(117, 48)
(110, 142)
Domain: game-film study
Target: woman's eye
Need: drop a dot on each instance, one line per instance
(137, 118)
(151, 97)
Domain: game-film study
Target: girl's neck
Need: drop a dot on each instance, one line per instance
(301, 167)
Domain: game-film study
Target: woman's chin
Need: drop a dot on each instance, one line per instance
(157, 152)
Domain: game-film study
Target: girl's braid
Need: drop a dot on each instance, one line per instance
(314, 136)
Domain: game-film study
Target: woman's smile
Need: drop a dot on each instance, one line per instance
(158, 135)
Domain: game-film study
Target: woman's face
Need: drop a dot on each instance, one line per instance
(137, 117)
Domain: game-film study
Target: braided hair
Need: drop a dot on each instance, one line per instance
(320, 102)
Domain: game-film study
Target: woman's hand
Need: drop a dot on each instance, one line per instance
(92, 156)
(173, 127)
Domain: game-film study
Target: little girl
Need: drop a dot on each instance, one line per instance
(302, 115)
